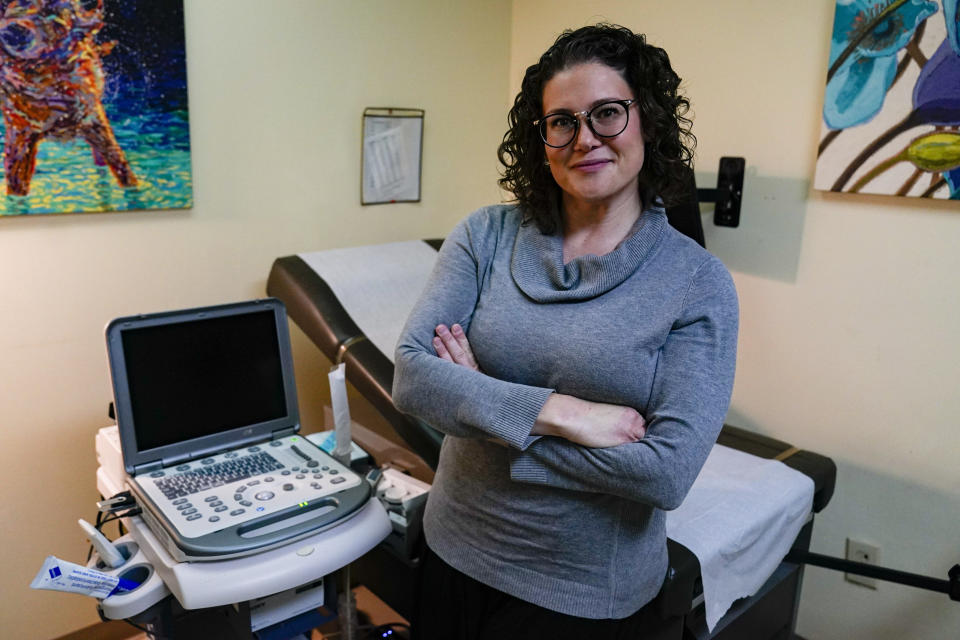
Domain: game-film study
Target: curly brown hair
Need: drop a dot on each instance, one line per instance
(668, 150)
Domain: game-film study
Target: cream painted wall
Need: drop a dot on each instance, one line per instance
(848, 343)
(276, 96)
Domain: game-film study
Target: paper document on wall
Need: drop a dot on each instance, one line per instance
(391, 155)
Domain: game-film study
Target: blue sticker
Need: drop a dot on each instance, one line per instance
(330, 442)
(55, 573)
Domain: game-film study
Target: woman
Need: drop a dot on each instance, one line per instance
(577, 351)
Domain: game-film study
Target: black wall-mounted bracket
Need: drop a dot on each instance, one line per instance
(728, 194)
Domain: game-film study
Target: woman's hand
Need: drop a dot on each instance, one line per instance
(591, 424)
(452, 345)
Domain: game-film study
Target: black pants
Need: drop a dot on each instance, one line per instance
(453, 606)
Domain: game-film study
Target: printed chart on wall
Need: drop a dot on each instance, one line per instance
(94, 101)
(891, 113)
(392, 155)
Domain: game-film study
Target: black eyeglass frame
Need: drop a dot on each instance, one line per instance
(540, 124)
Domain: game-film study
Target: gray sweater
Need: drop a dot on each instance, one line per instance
(651, 325)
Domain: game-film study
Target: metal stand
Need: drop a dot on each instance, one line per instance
(950, 586)
(347, 607)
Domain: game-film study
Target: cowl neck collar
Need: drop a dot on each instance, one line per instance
(537, 264)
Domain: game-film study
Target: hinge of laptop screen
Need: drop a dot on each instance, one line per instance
(147, 467)
(283, 433)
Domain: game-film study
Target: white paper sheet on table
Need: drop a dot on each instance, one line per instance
(740, 519)
(377, 284)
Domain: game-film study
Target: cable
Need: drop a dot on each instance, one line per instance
(117, 516)
(115, 503)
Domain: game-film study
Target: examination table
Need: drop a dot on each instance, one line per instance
(314, 306)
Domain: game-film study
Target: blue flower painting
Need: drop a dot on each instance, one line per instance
(94, 101)
(892, 99)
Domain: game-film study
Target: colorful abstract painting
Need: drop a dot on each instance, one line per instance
(94, 101)
(891, 114)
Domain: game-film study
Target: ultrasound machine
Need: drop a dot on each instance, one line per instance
(234, 519)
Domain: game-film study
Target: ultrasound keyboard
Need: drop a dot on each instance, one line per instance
(253, 491)
(216, 474)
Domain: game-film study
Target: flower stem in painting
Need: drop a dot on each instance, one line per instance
(910, 121)
(912, 180)
(877, 170)
(936, 186)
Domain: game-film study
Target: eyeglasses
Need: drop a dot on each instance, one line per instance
(606, 120)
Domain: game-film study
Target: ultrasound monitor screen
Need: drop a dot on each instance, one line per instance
(193, 379)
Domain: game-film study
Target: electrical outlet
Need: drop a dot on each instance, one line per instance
(864, 552)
